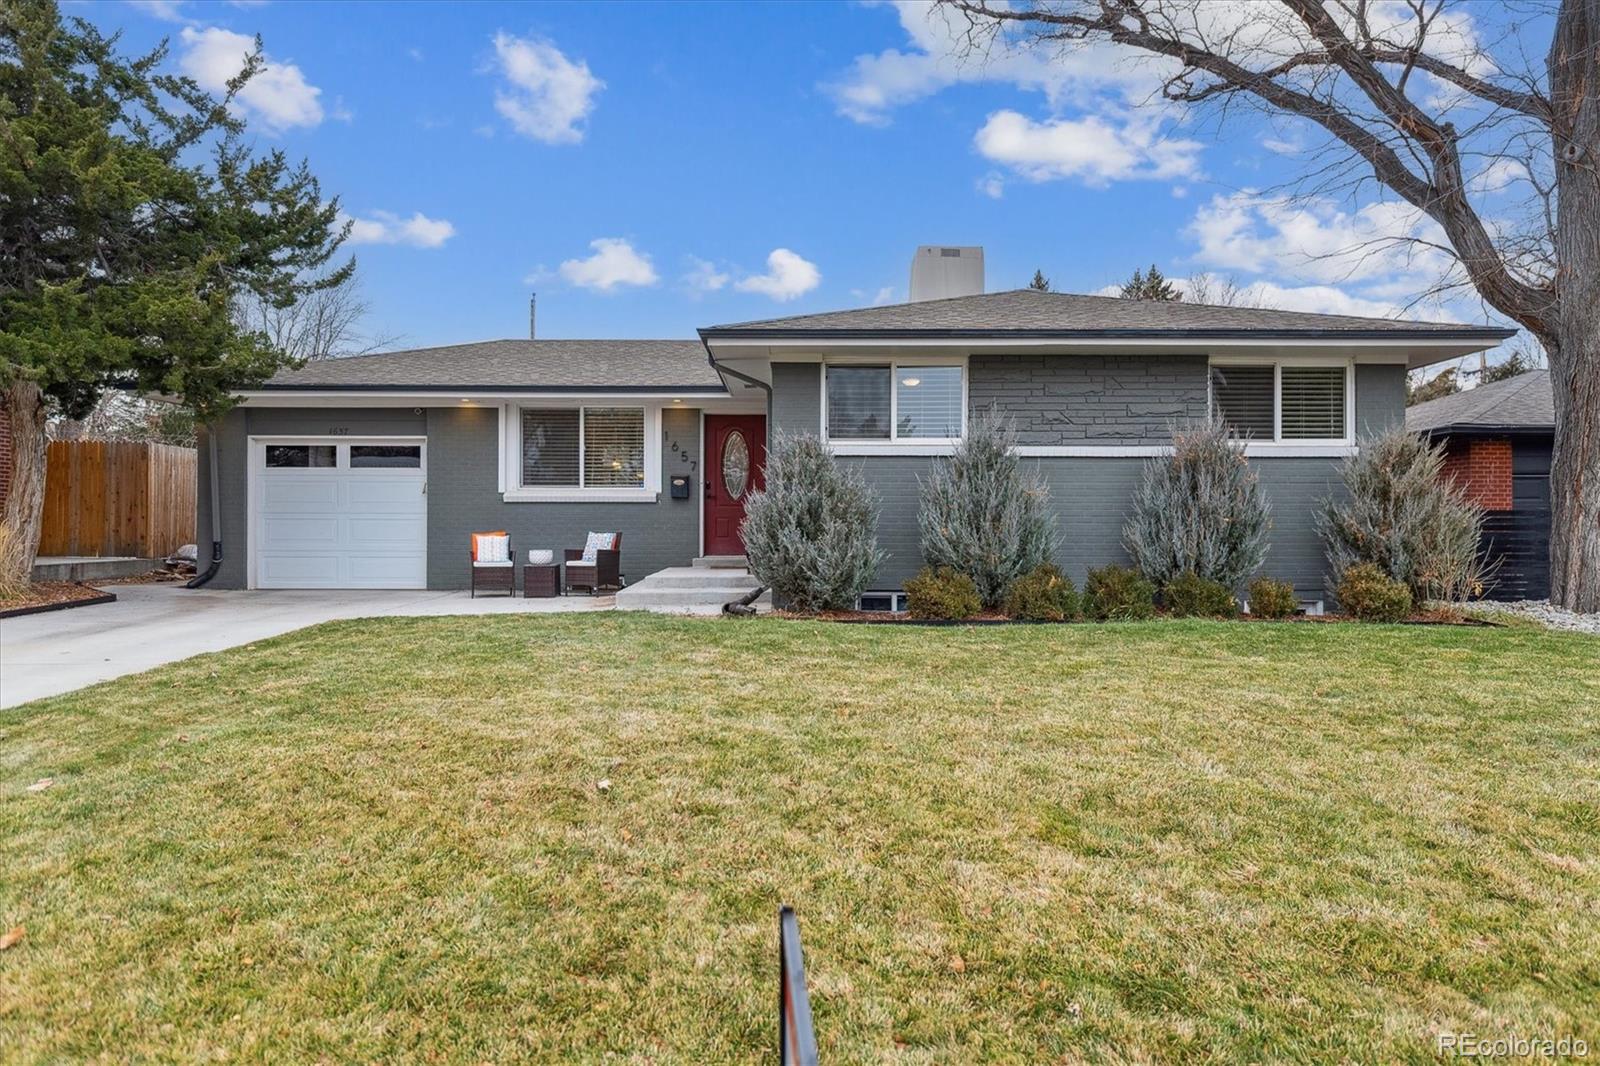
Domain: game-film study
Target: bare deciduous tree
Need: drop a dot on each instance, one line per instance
(1409, 100)
(1208, 288)
(324, 324)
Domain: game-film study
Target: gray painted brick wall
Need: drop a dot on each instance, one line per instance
(1090, 399)
(233, 436)
(1380, 397)
(1090, 498)
(463, 494)
(796, 403)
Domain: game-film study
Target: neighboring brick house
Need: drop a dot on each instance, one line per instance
(1498, 440)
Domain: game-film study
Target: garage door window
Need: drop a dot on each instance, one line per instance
(300, 456)
(386, 456)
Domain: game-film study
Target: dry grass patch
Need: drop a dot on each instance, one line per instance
(382, 840)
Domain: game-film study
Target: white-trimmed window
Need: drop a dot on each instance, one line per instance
(594, 451)
(894, 401)
(1285, 402)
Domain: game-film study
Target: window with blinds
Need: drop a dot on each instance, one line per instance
(590, 447)
(927, 401)
(858, 402)
(550, 446)
(613, 447)
(1242, 396)
(1313, 402)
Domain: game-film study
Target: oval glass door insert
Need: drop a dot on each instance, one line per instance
(735, 464)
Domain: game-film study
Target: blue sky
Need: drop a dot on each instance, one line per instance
(653, 168)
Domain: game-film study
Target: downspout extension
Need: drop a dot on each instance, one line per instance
(216, 516)
(744, 606)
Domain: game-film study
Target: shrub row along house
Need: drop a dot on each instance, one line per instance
(373, 471)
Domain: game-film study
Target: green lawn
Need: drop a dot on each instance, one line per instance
(383, 840)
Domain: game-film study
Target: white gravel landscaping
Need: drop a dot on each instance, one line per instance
(1542, 611)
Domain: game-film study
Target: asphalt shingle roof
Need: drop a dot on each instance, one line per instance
(1028, 311)
(563, 365)
(1522, 402)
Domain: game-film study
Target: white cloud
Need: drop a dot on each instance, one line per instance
(1317, 239)
(992, 185)
(615, 262)
(384, 227)
(788, 276)
(166, 10)
(703, 276)
(874, 85)
(279, 97)
(1498, 176)
(1091, 148)
(547, 95)
(876, 298)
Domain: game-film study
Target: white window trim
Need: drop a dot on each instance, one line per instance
(894, 445)
(1297, 446)
(513, 491)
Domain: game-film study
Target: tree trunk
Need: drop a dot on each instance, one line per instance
(1575, 356)
(1575, 469)
(24, 507)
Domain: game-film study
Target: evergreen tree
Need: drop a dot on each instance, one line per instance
(812, 534)
(1511, 366)
(1199, 511)
(983, 514)
(1443, 383)
(133, 218)
(1151, 286)
(1039, 282)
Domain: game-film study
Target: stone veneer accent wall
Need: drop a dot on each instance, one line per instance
(1090, 399)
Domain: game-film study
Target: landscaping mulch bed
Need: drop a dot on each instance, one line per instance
(885, 618)
(154, 577)
(53, 596)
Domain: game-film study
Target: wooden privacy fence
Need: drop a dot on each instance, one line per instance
(104, 497)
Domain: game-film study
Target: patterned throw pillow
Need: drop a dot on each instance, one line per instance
(494, 549)
(477, 539)
(595, 543)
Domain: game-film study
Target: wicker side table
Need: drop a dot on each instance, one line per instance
(541, 580)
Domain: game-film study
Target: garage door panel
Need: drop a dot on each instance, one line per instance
(300, 532)
(301, 493)
(375, 570)
(386, 531)
(299, 571)
(383, 493)
(340, 527)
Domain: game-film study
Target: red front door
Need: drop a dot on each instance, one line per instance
(736, 461)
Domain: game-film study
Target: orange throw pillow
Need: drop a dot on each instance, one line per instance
(490, 533)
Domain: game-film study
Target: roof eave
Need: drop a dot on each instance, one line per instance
(284, 387)
(1486, 334)
(1487, 427)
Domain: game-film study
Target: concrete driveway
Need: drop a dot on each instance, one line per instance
(59, 651)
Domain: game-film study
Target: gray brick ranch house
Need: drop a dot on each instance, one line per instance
(371, 472)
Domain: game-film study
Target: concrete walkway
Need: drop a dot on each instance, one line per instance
(59, 651)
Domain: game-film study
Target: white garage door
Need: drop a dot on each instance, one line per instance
(340, 515)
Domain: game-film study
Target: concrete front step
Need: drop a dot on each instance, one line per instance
(720, 562)
(638, 597)
(678, 578)
(689, 589)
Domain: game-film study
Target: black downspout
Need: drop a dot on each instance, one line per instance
(216, 516)
(742, 605)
